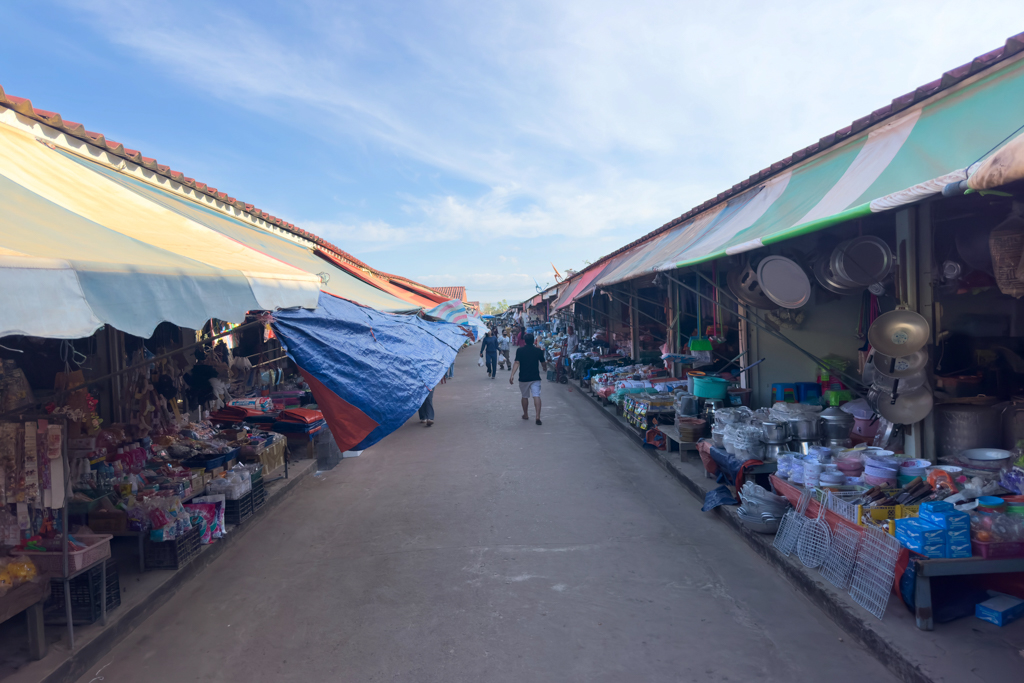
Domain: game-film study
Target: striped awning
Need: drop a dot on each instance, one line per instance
(965, 132)
(78, 251)
(333, 280)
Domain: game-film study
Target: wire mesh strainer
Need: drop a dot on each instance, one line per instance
(815, 539)
(875, 571)
(789, 528)
(838, 567)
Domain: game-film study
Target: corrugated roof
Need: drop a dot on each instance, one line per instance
(72, 129)
(1013, 46)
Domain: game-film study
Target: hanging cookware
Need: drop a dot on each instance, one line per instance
(863, 260)
(972, 245)
(745, 287)
(897, 385)
(899, 366)
(783, 281)
(899, 333)
(822, 270)
(908, 408)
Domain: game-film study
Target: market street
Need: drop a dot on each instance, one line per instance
(486, 548)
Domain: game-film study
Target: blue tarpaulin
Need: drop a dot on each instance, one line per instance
(369, 371)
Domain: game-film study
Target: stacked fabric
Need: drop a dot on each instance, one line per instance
(299, 421)
(235, 414)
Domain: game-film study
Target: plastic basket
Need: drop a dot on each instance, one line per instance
(259, 494)
(85, 596)
(237, 511)
(173, 554)
(52, 561)
(996, 550)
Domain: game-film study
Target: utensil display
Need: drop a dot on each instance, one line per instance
(744, 285)
(838, 566)
(863, 260)
(899, 333)
(815, 540)
(783, 281)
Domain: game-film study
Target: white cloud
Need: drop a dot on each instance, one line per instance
(583, 118)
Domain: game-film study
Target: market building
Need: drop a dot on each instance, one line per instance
(166, 353)
(843, 324)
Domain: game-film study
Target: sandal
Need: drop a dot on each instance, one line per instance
(538, 421)
(430, 423)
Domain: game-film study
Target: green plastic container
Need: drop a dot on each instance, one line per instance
(710, 387)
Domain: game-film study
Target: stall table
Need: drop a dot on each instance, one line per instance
(927, 568)
(29, 596)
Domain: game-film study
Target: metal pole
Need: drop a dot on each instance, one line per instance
(65, 532)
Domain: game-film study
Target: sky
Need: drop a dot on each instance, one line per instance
(477, 144)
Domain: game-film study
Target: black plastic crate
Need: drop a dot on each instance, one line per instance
(173, 554)
(237, 511)
(259, 494)
(85, 596)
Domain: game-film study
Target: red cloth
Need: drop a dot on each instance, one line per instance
(300, 415)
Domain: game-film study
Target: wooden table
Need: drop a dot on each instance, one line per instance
(29, 596)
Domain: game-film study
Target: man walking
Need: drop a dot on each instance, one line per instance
(503, 347)
(529, 360)
(489, 346)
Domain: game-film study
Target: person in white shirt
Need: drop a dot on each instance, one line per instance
(504, 342)
(572, 341)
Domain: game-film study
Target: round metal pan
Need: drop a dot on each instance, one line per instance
(899, 333)
(911, 407)
(862, 260)
(901, 366)
(783, 281)
(822, 270)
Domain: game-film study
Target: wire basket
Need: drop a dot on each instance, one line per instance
(838, 567)
(841, 503)
(874, 571)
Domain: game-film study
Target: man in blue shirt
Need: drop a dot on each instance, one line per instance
(489, 346)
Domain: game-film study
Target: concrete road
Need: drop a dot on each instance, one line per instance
(489, 549)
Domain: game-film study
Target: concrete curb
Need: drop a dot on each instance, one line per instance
(84, 657)
(809, 584)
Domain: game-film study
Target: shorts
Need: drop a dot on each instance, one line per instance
(528, 389)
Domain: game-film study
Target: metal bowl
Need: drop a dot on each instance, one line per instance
(986, 458)
(899, 333)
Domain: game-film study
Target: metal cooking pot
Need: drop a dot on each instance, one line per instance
(774, 432)
(899, 333)
(960, 427)
(836, 424)
(804, 429)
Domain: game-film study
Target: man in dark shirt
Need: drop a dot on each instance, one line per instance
(489, 346)
(529, 360)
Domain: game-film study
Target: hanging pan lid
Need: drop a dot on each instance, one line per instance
(862, 260)
(899, 333)
(784, 281)
(745, 287)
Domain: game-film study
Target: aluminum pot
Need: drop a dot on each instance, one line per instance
(804, 429)
(960, 427)
(836, 424)
(774, 432)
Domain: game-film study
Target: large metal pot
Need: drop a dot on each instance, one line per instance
(774, 432)
(960, 427)
(836, 424)
(804, 429)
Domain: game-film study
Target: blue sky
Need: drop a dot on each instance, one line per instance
(463, 143)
